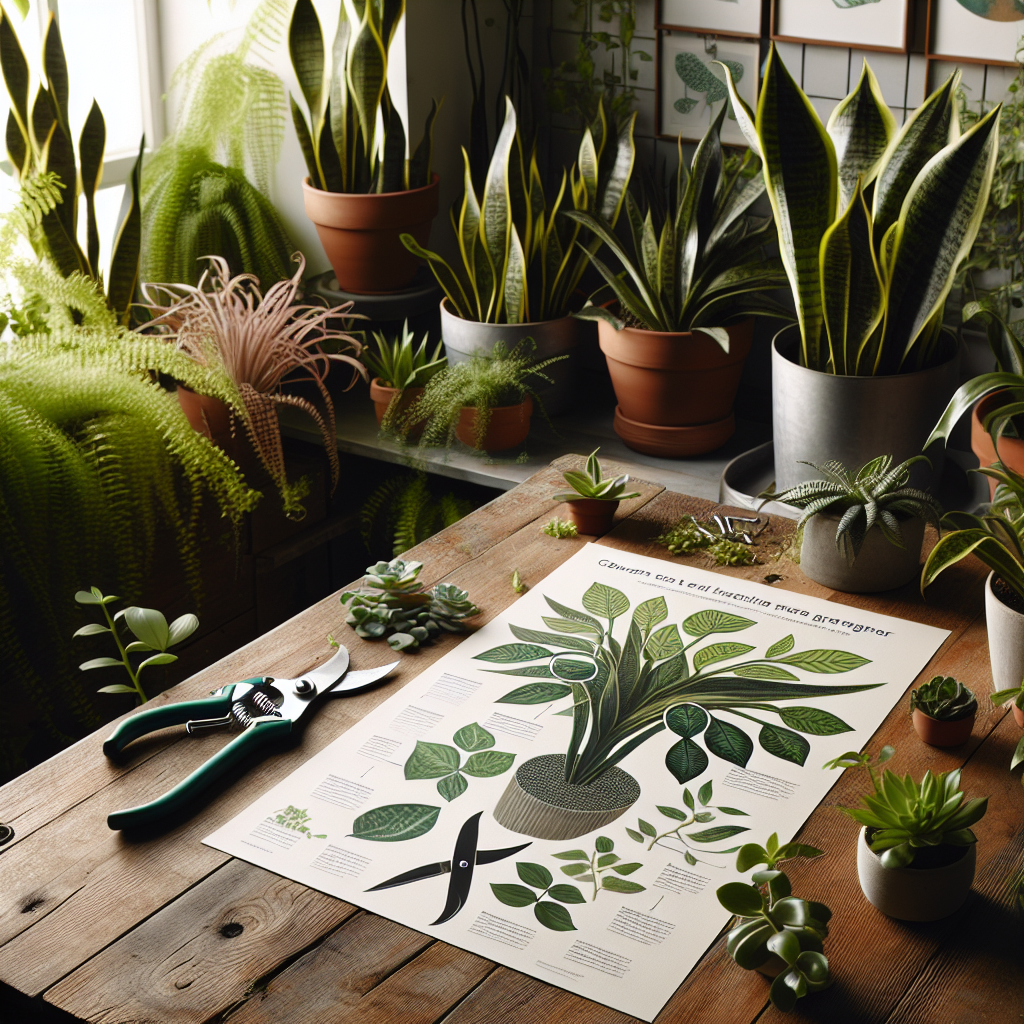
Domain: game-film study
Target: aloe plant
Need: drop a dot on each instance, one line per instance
(399, 364)
(520, 262)
(589, 483)
(340, 141)
(874, 222)
(625, 692)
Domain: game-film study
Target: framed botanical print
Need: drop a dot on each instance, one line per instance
(733, 17)
(864, 24)
(983, 31)
(692, 89)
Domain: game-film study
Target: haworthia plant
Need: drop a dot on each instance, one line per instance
(444, 763)
(551, 915)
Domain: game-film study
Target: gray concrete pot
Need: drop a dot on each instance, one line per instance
(1005, 640)
(820, 416)
(915, 894)
(879, 566)
(552, 337)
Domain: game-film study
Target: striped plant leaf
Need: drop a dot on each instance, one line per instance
(419, 162)
(16, 77)
(124, 258)
(745, 117)
(306, 47)
(367, 68)
(516, 297)
(55, 67)
(495, 210)
(620, 173)
(340, 115)
(91, 144)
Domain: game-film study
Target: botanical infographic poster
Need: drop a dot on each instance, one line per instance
(564, 792)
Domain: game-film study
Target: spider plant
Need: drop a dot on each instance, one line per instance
(874, 221)
(703, 263)
(398, 364)
(519, 259)
(590, 484)
(258, 340)
(626, 689)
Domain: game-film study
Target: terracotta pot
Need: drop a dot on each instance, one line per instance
(592, 515)
(1011, 449)
(1005, 629)
(675, 389)
(508, 426)
(212, 418)
(382, 397)
(937, 733)
(1018, 715)
(360, 234)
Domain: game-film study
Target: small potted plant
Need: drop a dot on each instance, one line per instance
(399, 372)
(485, 403)
(1015, 698)
(943, 711)
(593, 498)
(861, 533)
(916, 851)
(778, 934)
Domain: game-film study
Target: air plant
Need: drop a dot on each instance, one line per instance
(259, 340)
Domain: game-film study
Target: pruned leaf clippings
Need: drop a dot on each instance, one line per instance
(473, 737)
(488, 763)
(813, 721)
(553, 916)
(711, 620)
(728, 742)
(452, 786)
(513, 895)
(431, 761)
(534, 874)
(686, 761)
(623, 885)
(507, 654)
(394, 823)
(782, 743)
(826, 661)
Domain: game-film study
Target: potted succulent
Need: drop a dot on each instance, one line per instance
(623, 690)
(362, 193)
(519, 265)
(399, 372)
(861, 533)
(943, 711)
(916, 851)
(997, 538)
(874, 222)
(593, 498)
(485, 403)
(681, 325)
(1015, 698)
(778, 934)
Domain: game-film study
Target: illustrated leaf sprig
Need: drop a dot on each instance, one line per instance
(594, 868)
(551, 915)
(296, 819)
(444, 763)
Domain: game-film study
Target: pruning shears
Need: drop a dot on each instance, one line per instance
(464, 858)
(265, 707)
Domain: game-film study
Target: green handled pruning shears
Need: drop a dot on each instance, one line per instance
(265, 707)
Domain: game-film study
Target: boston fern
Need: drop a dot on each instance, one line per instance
(625, 692)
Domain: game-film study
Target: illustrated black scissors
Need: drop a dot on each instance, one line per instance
(464, 859)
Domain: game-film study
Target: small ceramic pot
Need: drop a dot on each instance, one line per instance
(1011, 449)
(1005, 640)
(592, 515)
(915, 894)
(938, 733)
(382, 397)
(507, 428)
(879, 566)
(1018, 715)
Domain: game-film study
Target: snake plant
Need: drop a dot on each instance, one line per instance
(874, 221)
(589, 483)
(39, 140)
(340, 141)
(520, 262)
(944, 698)
(704, 263)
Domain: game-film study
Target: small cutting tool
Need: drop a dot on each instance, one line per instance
(266, 709)
(460, 867)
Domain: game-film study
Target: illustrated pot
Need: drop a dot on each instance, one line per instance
(507, 428)
(1011, 449)
(915, 894)
(360, 233)
(818, 417)
(675, 390)
(879, 566)
(592, 515)
(551, 338)
(382, 397)
(539, 802)
(938, 733)
(1005, 639)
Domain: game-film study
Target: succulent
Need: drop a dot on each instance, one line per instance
(391, 604)
(689, 535)
(560, 528)
(876, 495)
(944, 698)
(399, 364)
(590, 484)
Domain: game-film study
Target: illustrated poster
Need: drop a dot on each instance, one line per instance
(695, 710)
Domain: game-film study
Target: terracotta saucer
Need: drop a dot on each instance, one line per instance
(674, 442)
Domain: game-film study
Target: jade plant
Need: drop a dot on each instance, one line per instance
(400, 363)
(589, 483)
(944, 698)
(904, 817)
(392, 604)
(774, 921)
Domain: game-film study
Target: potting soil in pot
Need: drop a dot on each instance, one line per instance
(623, 910)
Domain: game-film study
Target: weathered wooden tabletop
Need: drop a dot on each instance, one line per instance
(101, 927)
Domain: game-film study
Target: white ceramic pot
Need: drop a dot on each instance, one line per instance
(879, 566)
(1005, 640)
(915, 894)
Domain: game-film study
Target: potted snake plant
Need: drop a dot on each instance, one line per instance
(519, 261)
(681, 324)
(594, 497)
(874, 222)
(943, 711)
(361, 193)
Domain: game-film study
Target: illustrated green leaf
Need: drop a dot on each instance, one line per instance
(473, 737)
(431, 761)
(688, 799)
(728, 742)
(704, 793)
(716, 834)
(573, 615)
(731, 810)
(719, 652)
(536, 693)
(395, 823)
(607, 860)
(685, 760)
(664, 643)
(634, 835)
(452, 786)
(571, 626)
(673, 812)
(649, 613)
(813, 721)
(781, 647)
(604, 845)
(764, 672)
(613, 884)
(534, 874)
(689, 857)
(687, 720)
(536, 636)
(566, 893)
(605, 601)
(576, 869)
(572, 855)
(826, 661)
(533, 671)
(555, 917)
(627, 869)
(568, 667)
(711, 620)
(790, 746)
(506, 654)
(513, 895)
(488, 763)
(647, 828)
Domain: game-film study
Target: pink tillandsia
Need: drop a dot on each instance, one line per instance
(259, 340)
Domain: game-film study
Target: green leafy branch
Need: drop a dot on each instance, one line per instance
(590, 867)
(444, 763)
(551, 915)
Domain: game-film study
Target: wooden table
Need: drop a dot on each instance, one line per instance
(100, 927)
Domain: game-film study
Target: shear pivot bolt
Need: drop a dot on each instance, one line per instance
(463, 863)
(303, 686)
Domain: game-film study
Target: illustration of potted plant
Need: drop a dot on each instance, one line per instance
(594, 498)
(625, 691)
(943, 711)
